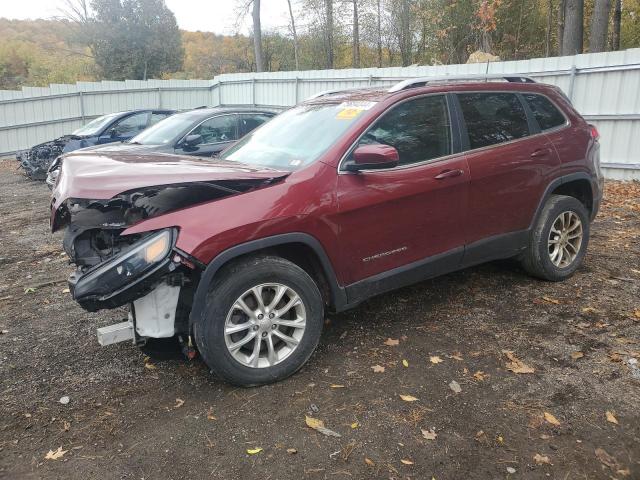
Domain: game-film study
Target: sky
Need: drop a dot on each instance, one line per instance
(217, 16)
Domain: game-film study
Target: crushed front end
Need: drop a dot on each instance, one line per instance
(36, 161)
(94, 200)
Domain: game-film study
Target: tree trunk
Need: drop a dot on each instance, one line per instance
(295, 36)
(617, 16)
(356, 36)
(547, 38)
(329, 33)
(562, 6)
(405, 40)
(379, 32)
(257, 36)
(573, 27)
(599, 26)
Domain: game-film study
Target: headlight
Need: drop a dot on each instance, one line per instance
(127, 267)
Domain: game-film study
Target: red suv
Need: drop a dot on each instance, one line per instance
(345, 196)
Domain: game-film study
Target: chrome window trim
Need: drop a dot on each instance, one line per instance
(567, 124)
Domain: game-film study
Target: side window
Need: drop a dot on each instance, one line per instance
(419, 129)
(545, 112)
(157, 116)
(493, 118)
(217, 129)
(251, 122)
(131, 125)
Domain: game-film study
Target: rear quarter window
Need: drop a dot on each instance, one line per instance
(544, 111)
(492, 118)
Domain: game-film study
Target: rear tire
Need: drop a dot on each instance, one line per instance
(284, 330)
(558, 241)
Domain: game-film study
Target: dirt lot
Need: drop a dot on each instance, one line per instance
(577, 416)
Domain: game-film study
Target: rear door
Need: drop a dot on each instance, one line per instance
(508, 161)
(393, 217)
(216, 133)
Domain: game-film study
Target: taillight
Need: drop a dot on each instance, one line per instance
(595, 135)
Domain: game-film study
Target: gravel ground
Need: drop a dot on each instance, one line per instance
(576, 416)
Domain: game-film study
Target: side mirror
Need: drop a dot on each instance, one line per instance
(373, 157)
(192, 140)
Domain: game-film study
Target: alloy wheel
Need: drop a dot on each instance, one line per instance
(565, 239)
(265, 325)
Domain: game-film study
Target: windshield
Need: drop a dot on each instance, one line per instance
(94, 126)
(296, 137)
(165, 131)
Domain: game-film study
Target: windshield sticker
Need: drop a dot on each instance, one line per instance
(350, 110)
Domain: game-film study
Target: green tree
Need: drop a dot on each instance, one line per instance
(134, 39)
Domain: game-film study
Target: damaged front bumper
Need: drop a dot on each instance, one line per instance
(127, 276)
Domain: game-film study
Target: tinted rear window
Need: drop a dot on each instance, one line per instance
(545, 112)
(493, 118)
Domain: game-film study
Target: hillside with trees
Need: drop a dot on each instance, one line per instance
(138, 39)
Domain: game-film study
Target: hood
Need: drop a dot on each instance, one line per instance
(97, 175)
(118, 147)
(123, 188)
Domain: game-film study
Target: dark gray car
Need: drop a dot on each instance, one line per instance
(204, 132)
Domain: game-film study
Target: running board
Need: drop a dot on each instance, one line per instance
(119, 332)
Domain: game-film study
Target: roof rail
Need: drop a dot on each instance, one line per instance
(422, 81)
(324, 93)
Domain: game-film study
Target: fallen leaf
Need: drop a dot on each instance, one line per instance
(551, 300)
(625, 473)
(406, 461)
(637, 313)
(65, 290)
(480, 375)
(369, 462)
(336, 386)
(606, 459)
(541, 459)
(576, 355)
(292, 451)
(210, 415)
(405, 364)
(551, 419)
(318, 425)
(179, 403)
(457, 356)
(355, 425)
(611, 417)
(150, 366)
(516, 365)
(378, 369)
(435, 360)
(590, 310)
(253, 451)
(392, 342)
(455, 386)
(408, 398)
(428, 434)
(29, 290)
(55, 455)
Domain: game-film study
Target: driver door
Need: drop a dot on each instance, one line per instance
(125, 129)
(410, 216)
(216, 133)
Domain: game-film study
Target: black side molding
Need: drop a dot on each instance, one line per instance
(338, 295)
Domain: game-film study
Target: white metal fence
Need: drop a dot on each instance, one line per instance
(604, 87)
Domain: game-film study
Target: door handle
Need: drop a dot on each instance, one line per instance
(543, 152)
(448, 174)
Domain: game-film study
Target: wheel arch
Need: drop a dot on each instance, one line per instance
(577, 185)
(300, 248)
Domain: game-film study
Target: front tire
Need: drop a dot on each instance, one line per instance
(263, 320)
(558, 242)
